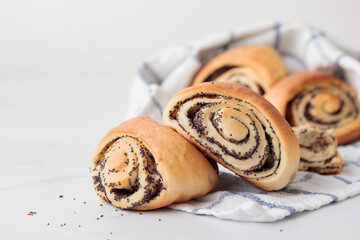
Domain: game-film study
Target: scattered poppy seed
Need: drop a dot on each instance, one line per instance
(61, 196)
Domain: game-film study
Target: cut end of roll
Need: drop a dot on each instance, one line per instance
(318, 150)
(320, 100)
(125, 173)
(256, 67)
(143, 165)
(239, 129)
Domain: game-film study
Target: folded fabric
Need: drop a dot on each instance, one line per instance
(301, 47)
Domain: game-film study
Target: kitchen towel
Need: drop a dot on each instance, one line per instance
(302, 47)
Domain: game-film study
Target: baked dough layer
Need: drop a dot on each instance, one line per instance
(239, 129)
(318, 150)
(318, 99)
(144, 165)
(257, 67)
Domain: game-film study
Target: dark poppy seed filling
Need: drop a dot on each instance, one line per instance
(121, 193)
(218, 72)
(318, 149)
(230, 129)
(125, 173)
(329, 106)
(237, 74)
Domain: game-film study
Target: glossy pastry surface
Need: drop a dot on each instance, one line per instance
(257, 67)
(239, 129)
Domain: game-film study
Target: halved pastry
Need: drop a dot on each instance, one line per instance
(239, 129)
(318, 99)
(257, 67)
(318, 150)
(144, 165)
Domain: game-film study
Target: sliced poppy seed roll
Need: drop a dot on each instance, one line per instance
(144, 165)
(318, 99)
(318, 150)
(239, 129)
(257, 67)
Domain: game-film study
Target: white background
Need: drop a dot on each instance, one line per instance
(87, 37)
(65, 72)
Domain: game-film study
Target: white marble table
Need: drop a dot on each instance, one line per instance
(49, 130)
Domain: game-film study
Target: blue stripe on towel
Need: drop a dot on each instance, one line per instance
(231, 40)
(277, 35)
(308, 176)
(299, 191)
(321, 51)
(180, 62)
(337, 63)
(141, 76)
(342, 179)
(156, 103)
(337, 60)
(293, 56)
(352, 163)
(152, 72)
(193, 54)
(249, 196)
(307, 44)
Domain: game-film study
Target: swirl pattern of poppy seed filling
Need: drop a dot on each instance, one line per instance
(327, 106)
(242, 75)
(230, 129)
(125, 173)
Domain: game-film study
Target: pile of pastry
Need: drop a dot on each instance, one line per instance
(243, 112)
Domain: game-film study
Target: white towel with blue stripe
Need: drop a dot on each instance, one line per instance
(301, 47)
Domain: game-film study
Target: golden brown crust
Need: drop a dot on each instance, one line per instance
(286, 89)
(185, 173)
(289, 146)
(324, 171)
(263, 60)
